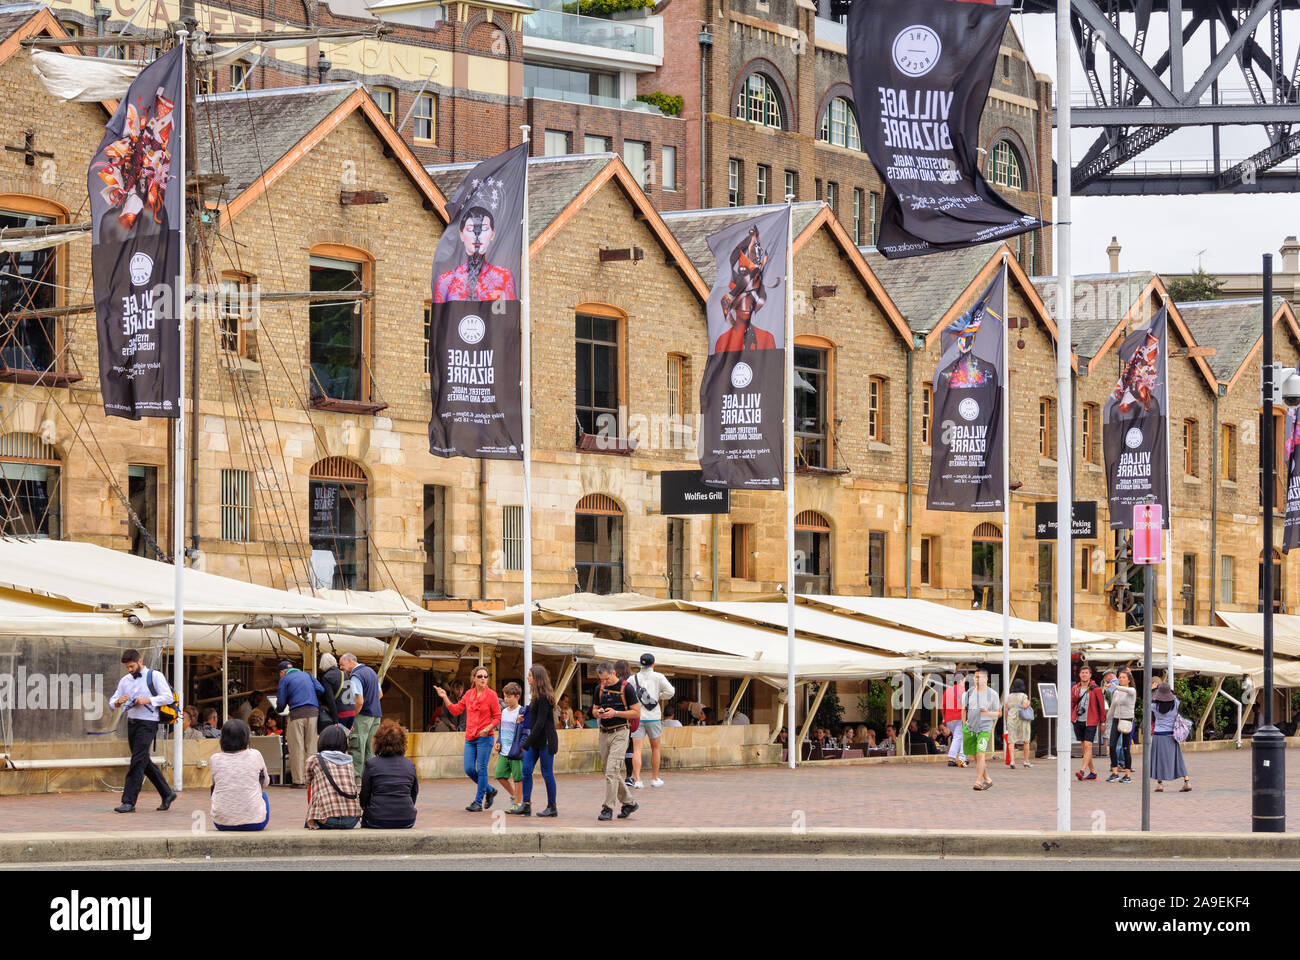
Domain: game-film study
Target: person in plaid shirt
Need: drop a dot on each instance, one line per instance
(332, 790)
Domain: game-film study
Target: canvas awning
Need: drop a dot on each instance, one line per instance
(1249, 632)
(82, 577)
(1189, 656)
(949, 622)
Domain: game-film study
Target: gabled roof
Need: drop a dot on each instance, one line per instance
(938, 286)
(260, 134)
(18, 21)
(558, 187)
(1232, 328)
(693, 228)
(1102, 304)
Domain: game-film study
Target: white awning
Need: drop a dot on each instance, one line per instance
(1189, 656)
(69, 76)
(1249, 629)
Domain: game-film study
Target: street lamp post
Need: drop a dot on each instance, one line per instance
(1268, 746)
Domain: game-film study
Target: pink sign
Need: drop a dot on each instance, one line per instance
(1146, 533)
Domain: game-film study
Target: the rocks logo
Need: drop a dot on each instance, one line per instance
(1133, 439)
(742, 375)
(141, 269)
(916, 50)
(969, 409)
(471, 329)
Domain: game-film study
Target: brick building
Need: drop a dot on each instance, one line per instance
(766, 88)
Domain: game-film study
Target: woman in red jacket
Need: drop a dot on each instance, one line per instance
(1088, 711)
(482, 712)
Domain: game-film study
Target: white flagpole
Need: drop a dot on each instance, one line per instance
(526, 398)
(1169, 513)
(178, 468)
(1064, 447)
(792, 732)
(1006, 488)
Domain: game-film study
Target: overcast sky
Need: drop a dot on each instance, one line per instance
(1227, 233)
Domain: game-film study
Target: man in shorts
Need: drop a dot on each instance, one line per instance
(982, 708)
(651, 687)
(1088, 710)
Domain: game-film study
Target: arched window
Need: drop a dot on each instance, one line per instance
(986, 567)
(337, 528)
(598, 544)
(1004, 167)
(29, 482)
(839, 125)
(758, 102)
(812, 553)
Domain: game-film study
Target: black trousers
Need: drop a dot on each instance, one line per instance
(140, 734)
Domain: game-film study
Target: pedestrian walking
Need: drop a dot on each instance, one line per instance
(951, 705)
(1123, 701)
(651, 688)
(482, 712)
(509, 747)
(333, 794)
(982, 707)
(141, 692)
(301, 693)
(1020, 717)
(623, 670)
(333, 681)
(1088, 708)
(365, 701)
(542, 741)
(239, 779)
(1166, 752)
(389, 785)
(614, 708)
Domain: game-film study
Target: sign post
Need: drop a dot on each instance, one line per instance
(1047, 699)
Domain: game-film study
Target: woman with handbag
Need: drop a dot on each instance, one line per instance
(1019, 720)
(1166, 754)
(1123, 700)
(332, 790)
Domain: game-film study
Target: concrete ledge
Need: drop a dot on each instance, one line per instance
(109, 847)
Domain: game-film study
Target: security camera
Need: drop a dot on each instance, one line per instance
(1291, 387)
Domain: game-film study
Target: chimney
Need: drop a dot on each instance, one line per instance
(1113, 250)
(1290, 255)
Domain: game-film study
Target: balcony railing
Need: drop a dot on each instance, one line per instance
(569, 96)
(617, 35)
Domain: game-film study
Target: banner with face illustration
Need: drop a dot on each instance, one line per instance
(966, 435)
(136, 205)
(1133, 428)
(921, 72)
(742, 393)
(474, 336)
(1291, 446)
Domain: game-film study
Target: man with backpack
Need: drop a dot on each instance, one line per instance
(651, 688)
(301, 693)
(615, 706)
(332, 704)
(142, 691)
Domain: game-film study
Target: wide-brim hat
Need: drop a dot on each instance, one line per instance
(1164, 694)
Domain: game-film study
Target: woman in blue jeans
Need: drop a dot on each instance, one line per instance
(482, 712)
(542, 741)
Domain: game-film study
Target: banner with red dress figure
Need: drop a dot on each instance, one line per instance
(1133, 428)
(136, 206)
(474, 337)
(742, 393)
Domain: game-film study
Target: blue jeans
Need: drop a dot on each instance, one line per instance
(548, 773)
(251, 826)
(477, 754)
(1121, 747)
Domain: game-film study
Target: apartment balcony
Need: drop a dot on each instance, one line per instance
(591, 99)
(595, 41)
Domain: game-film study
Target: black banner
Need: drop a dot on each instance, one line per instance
(966, 435)
(921, 72)
(1291, 444)
(136, 205)
(1083, 520)
(742, 393)
(683, 493)
(475, 339)
(1133, 428)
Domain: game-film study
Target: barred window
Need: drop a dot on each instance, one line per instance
(758, 102)
(236, 506)
(512, 537)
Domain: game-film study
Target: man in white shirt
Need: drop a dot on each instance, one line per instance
(142, 728)
(651, 687)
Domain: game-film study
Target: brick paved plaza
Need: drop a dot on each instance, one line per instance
(898, 796)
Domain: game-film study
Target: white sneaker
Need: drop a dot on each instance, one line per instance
(637, 784)
(656, 782)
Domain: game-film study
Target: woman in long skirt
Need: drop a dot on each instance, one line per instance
(1166, 752)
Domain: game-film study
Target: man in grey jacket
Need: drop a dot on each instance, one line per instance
(651, 687)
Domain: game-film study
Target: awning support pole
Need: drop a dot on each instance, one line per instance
(389, 654)
(907, 720)
(225, 673)
(735, 699)
(566, 674)
(1205, 714)
(812, 712)
(781, 699)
